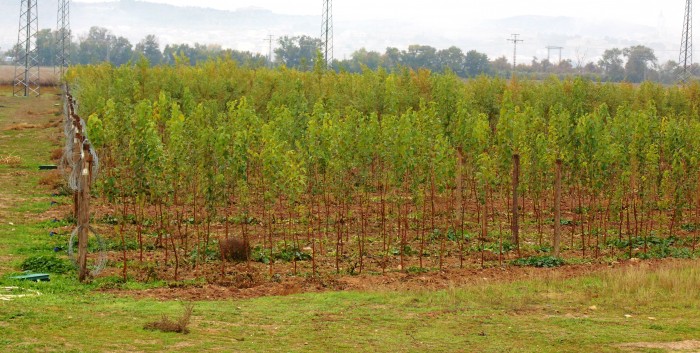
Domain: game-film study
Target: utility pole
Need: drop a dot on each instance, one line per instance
(26, 56)
(686, 56)
(270, 38)
(549, 51)
(515, 40)
(327, 32)
(64, 38)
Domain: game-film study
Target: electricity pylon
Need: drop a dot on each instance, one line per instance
(686, 57)
(327, 32)
(26, 56)
(63, 38)
(553, 47)
(515, 40)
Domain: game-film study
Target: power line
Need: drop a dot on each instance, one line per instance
(327, 32)
(26, 55)
(515, 40)
(686, 56)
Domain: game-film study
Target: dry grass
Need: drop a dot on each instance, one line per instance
(235, 249)
(47, 77)
(167, 325)
(22, 126)
(27, 126)
(57, 154)
(53, 179)
(673, 280)
(11, 161)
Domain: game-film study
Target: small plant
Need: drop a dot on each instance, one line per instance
(539, 261)
(260, 255)
(49, 263)
(167, 325)
(291, 253)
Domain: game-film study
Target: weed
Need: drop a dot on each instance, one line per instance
(167, 325)
(11, 161)
(539, 261)
(43, 263)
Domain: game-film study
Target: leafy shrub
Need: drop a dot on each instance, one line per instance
(46, 263)
(539, 261)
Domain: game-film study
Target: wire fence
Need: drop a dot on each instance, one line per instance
(80, 166)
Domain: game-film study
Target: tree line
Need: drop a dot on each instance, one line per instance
(632, 64)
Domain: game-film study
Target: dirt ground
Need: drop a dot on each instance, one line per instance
(391, 281)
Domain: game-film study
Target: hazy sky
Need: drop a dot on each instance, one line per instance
(438, 12)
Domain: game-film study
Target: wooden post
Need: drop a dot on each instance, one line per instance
(84, 211)
(514, 221)
(557, 210)
(76, 164)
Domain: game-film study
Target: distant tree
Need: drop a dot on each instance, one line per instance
(591, 68)
(501, 66)
(392, 58)
(371, 59)
(452, 58)
(121, 51)
(297, 52)
(150, 49)
(565, 66)
(244, 58)
(611, 64)
(96, 46)
(639, 58)
(46, 47)
(476, 63)
(421, 56)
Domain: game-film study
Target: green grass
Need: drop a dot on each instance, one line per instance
(550, 314)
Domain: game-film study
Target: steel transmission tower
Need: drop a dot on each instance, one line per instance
(686, 57)
(270, 38)
(26, 58)
(553, 47)
(63, 40)
(327, 32)
(515, 40)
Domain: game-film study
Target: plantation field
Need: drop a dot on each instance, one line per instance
(632, 306)
(323, 173)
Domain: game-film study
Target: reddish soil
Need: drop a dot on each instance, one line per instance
(391, 281)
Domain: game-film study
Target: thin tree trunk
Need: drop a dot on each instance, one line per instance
(514, 219)
(557, 210)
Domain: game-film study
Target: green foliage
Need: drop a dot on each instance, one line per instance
(46, 263)
(539, 261)
(282, 253)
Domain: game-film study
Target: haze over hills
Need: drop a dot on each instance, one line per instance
(245, 29)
